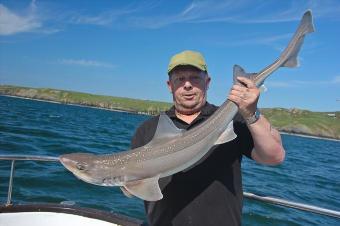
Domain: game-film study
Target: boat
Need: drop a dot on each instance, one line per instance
(64, 213)
(67, 213)
(61, 214)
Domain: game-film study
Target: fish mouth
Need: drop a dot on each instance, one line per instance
(73, 167)
(68, 163)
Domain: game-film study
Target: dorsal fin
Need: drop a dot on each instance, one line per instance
(166, 130)
(238, 71)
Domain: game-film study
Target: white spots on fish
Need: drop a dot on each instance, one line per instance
(147, 149)
(109, 162)
(113, 181)
(121, 161)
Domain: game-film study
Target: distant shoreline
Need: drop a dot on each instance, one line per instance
(309, 136)
(140, 113)
(79, 105)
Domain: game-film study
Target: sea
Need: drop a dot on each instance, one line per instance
(310, 174)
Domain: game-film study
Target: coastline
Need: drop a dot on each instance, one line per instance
(79, 105)
(143, 113)
(309, 136)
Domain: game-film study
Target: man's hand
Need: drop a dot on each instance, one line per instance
(246, 97)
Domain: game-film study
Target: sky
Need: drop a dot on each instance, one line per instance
(122, 48)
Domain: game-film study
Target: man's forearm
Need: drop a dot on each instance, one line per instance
(267, 142)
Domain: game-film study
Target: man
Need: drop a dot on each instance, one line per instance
(210, 193)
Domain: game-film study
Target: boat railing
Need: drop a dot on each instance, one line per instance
(266, 199)
(14, 158)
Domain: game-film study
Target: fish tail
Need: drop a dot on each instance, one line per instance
(289, 55)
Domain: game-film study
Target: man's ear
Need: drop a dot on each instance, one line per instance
(169, 86)
(207, 82)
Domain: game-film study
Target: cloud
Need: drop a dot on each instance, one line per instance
(300, 83)
(87, 63)
(242, 11)
(113, 16)
(268, 40)
(48, 31)
(279, 84)
(102, 19)
(155, 14)
(195, 12)
(336, 80)
(30, 19)
(12, 23)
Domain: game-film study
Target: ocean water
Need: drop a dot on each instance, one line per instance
(310, 173)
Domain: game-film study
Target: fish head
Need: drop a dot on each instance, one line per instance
(84, 166)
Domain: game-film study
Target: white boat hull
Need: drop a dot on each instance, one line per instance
(48, 218)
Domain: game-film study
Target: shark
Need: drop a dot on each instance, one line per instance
(173, 150)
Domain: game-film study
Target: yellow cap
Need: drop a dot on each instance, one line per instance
(188, 57)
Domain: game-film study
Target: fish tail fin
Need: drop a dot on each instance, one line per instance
(290, 54)
(307, 21)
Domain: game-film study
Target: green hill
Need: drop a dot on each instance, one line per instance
(70, 97)
(321, 124)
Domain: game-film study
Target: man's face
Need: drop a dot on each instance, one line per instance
(188, 86)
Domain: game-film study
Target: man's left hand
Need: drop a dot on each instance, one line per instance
(245, 96)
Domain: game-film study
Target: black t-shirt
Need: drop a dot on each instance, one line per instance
(209, 193)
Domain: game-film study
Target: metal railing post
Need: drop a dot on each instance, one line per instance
(10, 186)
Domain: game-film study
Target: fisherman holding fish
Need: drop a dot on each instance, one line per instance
(210, 192)
(186, 162)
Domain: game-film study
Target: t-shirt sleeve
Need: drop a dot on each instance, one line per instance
(138, 138)
(245, 140)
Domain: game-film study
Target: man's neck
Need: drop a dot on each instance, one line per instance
(188, 118)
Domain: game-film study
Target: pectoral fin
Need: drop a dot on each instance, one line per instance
(227, 135)
(126, 193)
(146, 189)
(263, 88)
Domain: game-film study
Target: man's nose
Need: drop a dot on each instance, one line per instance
(187, 84)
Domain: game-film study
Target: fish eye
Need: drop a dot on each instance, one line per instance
(81, 166)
